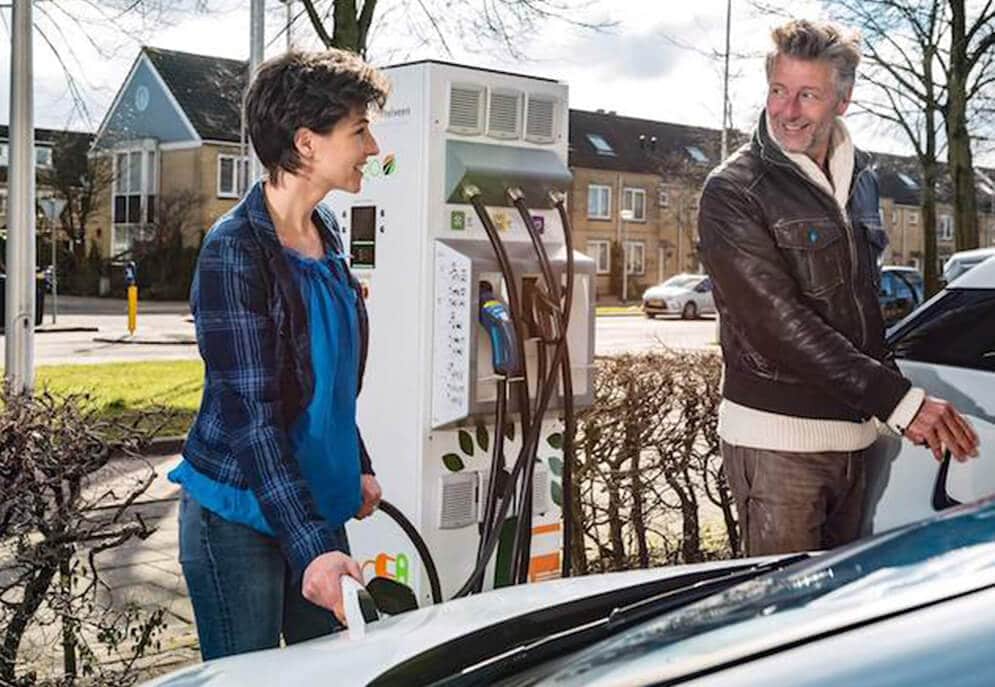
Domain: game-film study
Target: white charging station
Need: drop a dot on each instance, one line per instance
(427, 405)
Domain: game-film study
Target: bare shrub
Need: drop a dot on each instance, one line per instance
(649, 473)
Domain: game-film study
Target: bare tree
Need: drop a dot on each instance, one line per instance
(473, 24)
(80, 180)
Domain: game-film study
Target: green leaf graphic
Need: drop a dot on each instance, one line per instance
(452, 462)
(556, 466)
(466, 442)
(483, 438)
(509, 431)
(555, 440)
(556, 491)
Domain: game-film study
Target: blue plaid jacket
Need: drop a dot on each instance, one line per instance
(252, 332)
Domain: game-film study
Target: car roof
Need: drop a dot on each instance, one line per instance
(981, 276)
(973, 253)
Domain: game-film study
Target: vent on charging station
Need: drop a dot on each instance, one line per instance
(540, 119)
(504, 116)
(466, 109)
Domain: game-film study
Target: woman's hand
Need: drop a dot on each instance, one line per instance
(371, 496)
(322, 581)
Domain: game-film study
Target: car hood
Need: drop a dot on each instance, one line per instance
(393, 640)
(665, 292)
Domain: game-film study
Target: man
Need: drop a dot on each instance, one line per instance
(790, 234)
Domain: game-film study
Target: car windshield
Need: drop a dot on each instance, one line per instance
(682, 281)
(952, 554)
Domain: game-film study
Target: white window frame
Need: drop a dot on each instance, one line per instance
(945, 228)
(894, 217)
(630, 253)
(123, 234)
(629, 195)
(663, 197)
(47, 150)
(913, 216)
(3, 202)
(4, 154)
(238, 170)
(598, 248)
(607, 190)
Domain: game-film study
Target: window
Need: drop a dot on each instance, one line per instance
(635, 199)
(43, 156)
(601, 146)
(3, 154)
(945, 230)
(696, 155)
(663, 198)
(635, 258)
(894, 217)
(909, 182)
(3, 202)
(228, 185)
(913, 216)
(601, 253)
(958, 330)
(599, 201)
(134, 190)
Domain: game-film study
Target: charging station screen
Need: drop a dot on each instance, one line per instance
(363, 233)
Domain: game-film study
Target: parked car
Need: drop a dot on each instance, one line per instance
(913, 607)
(947, 347)
(901, 292)
(960, 262)
(687, 295)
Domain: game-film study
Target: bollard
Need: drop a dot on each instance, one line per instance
(131, 277)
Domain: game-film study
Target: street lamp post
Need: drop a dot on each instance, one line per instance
(20, 297)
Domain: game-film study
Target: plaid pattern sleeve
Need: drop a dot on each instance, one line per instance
(237, 341)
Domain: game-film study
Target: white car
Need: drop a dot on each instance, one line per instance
(960, 262)
(947, 347)
(687, 295)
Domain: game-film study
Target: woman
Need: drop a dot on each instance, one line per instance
(274, 464)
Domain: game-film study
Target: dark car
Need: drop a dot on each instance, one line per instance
(901, 292)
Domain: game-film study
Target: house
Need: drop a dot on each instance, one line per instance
(653, 170)
(47, 142)
(172, 138)
(900, 180)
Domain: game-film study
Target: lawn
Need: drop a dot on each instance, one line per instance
(124, 390)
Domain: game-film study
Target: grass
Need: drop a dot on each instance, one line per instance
(125, 390)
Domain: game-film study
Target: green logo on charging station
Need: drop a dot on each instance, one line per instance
(457, 220)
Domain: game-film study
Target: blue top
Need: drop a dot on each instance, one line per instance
(323, 439)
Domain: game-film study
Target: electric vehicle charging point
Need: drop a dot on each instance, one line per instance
(434, 225)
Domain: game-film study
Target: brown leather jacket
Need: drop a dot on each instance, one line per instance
(795, 284)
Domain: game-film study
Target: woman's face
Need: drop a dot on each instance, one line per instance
(338, 157)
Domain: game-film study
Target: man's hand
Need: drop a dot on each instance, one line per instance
(371, 496)
(939, 425)
(322, 582)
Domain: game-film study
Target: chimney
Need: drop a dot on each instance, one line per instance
(600, 110)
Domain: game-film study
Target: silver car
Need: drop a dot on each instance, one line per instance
(687, 295)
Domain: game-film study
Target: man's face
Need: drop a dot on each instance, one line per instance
(802, 103)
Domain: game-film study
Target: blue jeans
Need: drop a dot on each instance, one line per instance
(241, 588)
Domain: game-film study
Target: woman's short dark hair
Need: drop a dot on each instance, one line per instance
(313, 90)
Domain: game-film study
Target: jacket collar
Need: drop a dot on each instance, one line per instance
(767, 148)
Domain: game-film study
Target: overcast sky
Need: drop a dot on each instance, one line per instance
(658, 61)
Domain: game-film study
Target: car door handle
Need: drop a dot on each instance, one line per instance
(941, 499)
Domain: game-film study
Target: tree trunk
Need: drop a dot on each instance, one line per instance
(34, 594)
(958, 136)
(345, 31)
(68, 622)
(931, 266)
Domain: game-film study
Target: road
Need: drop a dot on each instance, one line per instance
(170, 327)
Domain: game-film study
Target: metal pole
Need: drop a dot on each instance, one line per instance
(257, 34)
(20, 286)
(290, 24)
(725, 87)
(55, 273)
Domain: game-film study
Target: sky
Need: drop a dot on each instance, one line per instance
(655, 59)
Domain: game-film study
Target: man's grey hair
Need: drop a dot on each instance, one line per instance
(823, 41)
